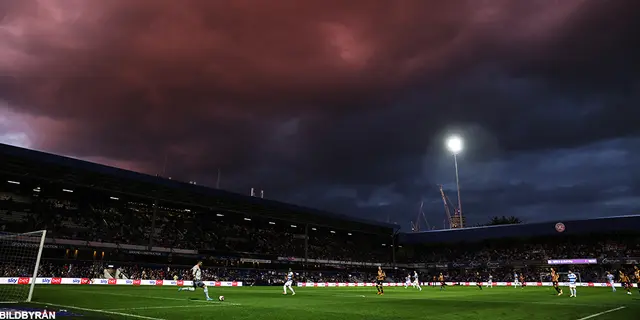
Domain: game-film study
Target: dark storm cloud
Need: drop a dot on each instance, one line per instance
(339, 105)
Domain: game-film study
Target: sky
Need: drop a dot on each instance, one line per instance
(341, 105)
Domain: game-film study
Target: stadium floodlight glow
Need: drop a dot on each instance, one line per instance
(36, 190)
(332, 231)
(454, 144)
(314, 229)
(247, 219)
(271, 222)
(293, 226)
(13, 182)
(349, 234)
(384, 244)
(67, 190)
(114, 198)
(219, 215)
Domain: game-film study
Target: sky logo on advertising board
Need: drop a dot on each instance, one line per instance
(76, 281)
(172, 283)
(56, 280)
(128, 281)
(46, 280)
(103, 281)
(12, 280)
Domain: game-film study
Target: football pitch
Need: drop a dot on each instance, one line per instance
(268, 303)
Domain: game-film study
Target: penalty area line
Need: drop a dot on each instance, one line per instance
(601, 313)
(115, 313)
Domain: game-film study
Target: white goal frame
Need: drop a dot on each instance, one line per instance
(34, 276)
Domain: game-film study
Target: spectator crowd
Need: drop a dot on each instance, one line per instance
(127, 222)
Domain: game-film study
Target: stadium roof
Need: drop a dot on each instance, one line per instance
(35, 164)
(630, 223)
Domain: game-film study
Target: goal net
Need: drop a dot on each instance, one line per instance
(19, 260)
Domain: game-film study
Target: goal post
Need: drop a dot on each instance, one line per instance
(20, 256)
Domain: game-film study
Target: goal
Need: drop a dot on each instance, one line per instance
(19, 261)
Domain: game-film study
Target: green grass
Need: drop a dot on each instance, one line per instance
(266, 303)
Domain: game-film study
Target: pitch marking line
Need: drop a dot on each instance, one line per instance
(168, 307)
(601, 313)
(100, 311)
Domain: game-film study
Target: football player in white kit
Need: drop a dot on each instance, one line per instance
(516, 282)
(490, 282)
(197, 281)
(407, 282)
(288, 282)
(416, 282)
(572, 284)
(612, 281)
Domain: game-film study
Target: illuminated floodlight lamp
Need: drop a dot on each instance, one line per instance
(454, 144)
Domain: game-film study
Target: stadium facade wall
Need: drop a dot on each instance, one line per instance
(126, 282)
(545, 229)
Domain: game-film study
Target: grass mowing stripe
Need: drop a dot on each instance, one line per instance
(601, 313)
(169, 307)
(162, 298)
(522, 302)
(115, 313)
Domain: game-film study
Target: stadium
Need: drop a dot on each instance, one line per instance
(119, 245)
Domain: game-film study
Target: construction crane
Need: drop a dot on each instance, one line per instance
(415, 227)
(454, 220)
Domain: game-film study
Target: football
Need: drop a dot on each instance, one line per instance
(221, 298)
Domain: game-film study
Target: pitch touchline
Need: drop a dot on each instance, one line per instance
(100, 311)
(601, 313)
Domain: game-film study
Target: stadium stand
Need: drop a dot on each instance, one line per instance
(97, 213)
(138, 226)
